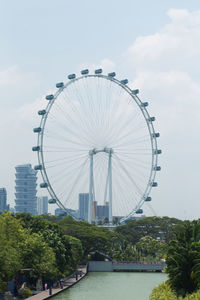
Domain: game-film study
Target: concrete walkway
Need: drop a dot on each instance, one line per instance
(66, 284)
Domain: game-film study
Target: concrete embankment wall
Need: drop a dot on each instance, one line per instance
(109, 266)
(100, 266)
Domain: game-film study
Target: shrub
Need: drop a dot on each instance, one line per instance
(25, 293)
(3, 287)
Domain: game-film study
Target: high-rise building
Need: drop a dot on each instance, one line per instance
(3, 200)
(102, 211)
(26, 200)
(42, 205)
(83, 205)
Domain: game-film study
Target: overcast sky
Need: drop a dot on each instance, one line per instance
(155, 44)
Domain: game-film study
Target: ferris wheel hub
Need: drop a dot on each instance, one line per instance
(106, 150)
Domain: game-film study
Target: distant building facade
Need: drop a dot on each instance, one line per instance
(42, 205)
(25, 189)
(83, 206)
(59, 211)
(3, 200)
(102, 212)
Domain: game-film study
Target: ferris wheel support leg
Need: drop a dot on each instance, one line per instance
(110, 187)
(90, 190)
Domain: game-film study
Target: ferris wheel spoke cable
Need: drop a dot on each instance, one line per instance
(66, 169)
(128, 175)
(123, 178)
(129, 134)
(90, 109)
(63, 138)
(80, 117)
(90, 101)
(65, 158)
(66, 149)
(78, 177)
(69, 119)
(69, 130)
(123, 194)
(70, 179)
(114, 133)
(135, 141)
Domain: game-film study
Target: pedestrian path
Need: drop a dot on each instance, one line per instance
(69, 281)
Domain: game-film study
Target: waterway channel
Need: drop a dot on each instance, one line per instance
(113, 286)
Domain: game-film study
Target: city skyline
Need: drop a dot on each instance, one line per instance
(159, 56)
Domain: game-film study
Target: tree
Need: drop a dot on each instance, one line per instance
(183, 258)
(151, 248)
(39, 257)
(11, 235)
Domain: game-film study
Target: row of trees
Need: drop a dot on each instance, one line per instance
(51, 248)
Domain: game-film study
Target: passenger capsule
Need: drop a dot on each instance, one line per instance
(38, 167)
(113, 74)
(135, 92)
(124, 81)
(157, 134)
(158, 151)
(139, 211)
(148, 199)
(157, 168)
(71, 76)
(85, 72)
(37, 129)
(49, 97)
(42, 112)
(52, 201)
(59, 84)
(98, 71)
(151, 119)
(36, 148)
(154, 184)
(144, 104)
(43, 185)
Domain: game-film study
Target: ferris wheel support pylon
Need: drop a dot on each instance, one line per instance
(110, 185)
(91, 188)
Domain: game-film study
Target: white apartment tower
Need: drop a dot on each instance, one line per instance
(25, 196)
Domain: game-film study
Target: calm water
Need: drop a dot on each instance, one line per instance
(113, 286)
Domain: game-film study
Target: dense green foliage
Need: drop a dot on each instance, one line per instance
(164, 292)
(183, 259)
(156, 227)
(51, 248)
(183, 265)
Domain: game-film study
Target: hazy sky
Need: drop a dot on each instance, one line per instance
(156, 44)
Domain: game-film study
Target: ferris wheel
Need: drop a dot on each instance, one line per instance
(96, 138)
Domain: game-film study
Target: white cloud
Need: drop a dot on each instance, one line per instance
(167, 73)
(175, 46)
(106, 64)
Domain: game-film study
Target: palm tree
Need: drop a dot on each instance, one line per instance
(183, 258)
